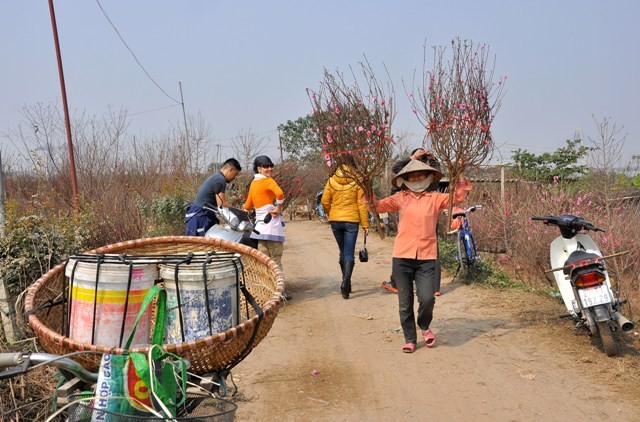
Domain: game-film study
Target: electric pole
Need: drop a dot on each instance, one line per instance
(280, 142)
(67, 121)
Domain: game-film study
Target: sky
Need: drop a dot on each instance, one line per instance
(246, 65)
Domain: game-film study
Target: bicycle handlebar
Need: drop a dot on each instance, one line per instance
(467, 211)
(13, 364)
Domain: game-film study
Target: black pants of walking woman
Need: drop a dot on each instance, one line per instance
(405, 272)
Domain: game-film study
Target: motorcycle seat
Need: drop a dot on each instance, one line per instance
(582, 259)
(577, 256)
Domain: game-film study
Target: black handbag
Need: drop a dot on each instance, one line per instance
(364, 254)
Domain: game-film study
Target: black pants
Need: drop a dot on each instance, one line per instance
(423, 272)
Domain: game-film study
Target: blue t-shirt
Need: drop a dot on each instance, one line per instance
(207, 192)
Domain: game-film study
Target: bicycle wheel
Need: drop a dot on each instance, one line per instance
(470, 248)
(466, 258)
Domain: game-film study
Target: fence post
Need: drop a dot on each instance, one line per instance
(503, 199)
(5, 314)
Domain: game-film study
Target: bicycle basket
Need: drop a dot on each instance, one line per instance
(262, 277)
(197, 408)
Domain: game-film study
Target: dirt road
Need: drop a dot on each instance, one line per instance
(501, 356)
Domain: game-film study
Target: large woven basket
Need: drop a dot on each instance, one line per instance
(214, 353)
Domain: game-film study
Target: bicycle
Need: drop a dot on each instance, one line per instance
(467, 253)
(74, 397)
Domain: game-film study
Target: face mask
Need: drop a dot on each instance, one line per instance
(419, 186)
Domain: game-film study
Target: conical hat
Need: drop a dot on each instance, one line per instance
(414, 165)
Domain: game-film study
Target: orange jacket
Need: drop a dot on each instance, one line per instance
(417, 221)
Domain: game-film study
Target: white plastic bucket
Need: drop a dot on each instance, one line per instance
(222, 290)
(109, 301)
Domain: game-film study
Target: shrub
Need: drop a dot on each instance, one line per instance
(484, 270)
(32, 245)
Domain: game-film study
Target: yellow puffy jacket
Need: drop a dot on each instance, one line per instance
(341, 199)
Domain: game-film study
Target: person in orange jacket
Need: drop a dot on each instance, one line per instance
(266, 197)
(425, 156)
(415, 250)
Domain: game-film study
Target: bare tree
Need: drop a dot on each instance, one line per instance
(456, 103)
(247, 145)
(354, 121)
(615, 212)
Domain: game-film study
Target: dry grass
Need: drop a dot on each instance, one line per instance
(540, 312)
(27, 398)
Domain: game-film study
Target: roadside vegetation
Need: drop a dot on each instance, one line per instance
(130, 190)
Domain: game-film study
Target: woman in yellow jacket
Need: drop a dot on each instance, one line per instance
(341, 203)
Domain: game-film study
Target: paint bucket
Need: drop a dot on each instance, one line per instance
(98, 308)
(190, 316)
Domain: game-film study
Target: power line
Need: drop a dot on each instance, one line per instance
(133, 54)
(153, 109)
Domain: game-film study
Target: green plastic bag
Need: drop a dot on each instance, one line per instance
(137, 383)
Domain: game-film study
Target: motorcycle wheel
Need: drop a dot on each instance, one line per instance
(606, 336)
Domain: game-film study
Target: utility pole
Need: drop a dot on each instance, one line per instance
(2, 213)
(67, 121)
(186, 130)
(280, 142)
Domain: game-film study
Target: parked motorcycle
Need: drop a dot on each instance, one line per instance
(581, 276)
(235, 225)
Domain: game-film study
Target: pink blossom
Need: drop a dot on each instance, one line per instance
(329, 128)
(375, 99)
(462, 105)
(382, 101)
(360, 129)
(411, 94)
(373, 127)
(329, 138)
(336, 110)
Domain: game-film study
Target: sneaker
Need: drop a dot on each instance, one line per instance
(388, 286)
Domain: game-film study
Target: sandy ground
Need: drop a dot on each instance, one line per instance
(501, 355)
